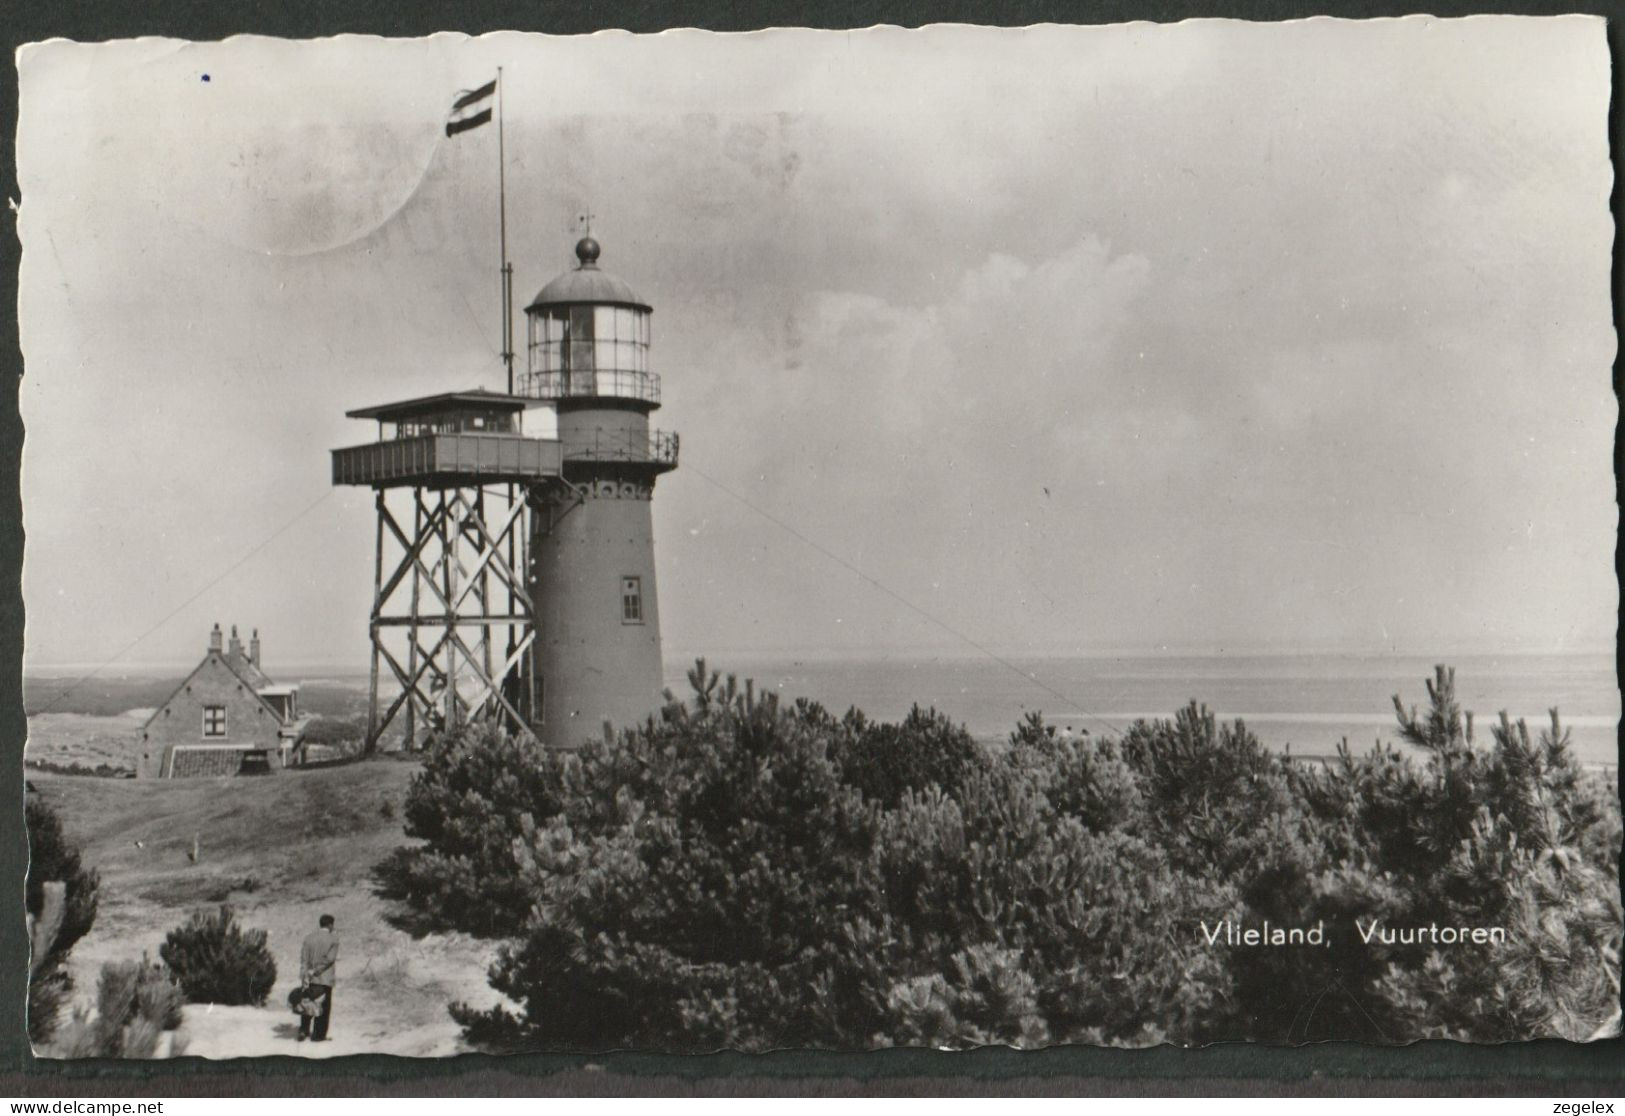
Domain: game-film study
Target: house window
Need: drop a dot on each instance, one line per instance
(214, 720)
(631, 600)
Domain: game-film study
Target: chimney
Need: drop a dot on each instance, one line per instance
(235, 647)
(214, 637)
(254, 648)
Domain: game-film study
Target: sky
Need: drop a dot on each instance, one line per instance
(1213, 337)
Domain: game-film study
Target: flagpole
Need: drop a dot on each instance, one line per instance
(513, 493)
(507, 268)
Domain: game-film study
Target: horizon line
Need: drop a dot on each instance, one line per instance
(872, 654)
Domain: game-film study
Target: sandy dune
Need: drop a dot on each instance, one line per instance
(282, 849)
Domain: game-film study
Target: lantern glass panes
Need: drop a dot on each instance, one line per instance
(579, 340)
(547, 331)
(594, 349)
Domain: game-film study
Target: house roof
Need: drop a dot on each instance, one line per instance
(245, 669)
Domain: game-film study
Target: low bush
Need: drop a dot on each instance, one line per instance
(52, 859)
(886, 761)
(100, 771)
(466, 805)
(216, 961)
(135, 1004)
(1514, 836)
(336, 732)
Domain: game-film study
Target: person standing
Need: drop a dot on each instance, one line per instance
(318, 966)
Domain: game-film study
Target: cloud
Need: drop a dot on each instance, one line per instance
(939, 425)
(1204, 334)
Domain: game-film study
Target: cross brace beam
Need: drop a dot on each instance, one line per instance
(452, 616)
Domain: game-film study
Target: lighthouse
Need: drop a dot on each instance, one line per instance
(592, 569)
(514, 579)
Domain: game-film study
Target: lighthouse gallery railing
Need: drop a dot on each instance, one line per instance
(658, 448)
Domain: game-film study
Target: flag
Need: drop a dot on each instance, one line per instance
(462, 119)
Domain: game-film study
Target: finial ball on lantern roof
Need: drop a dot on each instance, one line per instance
(586, 284)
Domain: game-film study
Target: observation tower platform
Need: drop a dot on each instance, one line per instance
(449, 440)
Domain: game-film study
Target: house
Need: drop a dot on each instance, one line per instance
(226, 718)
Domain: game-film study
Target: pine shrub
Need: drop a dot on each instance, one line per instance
(216, 961)
(743, 874)
(136, 1003)
(466, 807)
(885, 761)
(1513, 835)
(713, 880)
(53, 859)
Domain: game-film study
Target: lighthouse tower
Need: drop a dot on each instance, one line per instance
(592, 574)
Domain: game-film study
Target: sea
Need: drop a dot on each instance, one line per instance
(1304, 704)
